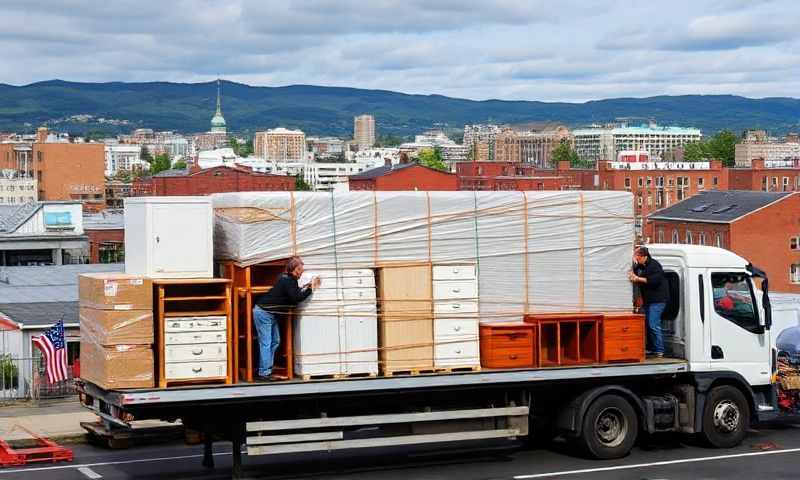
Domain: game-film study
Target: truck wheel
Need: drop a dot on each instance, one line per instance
(609, 429)
(725, 418)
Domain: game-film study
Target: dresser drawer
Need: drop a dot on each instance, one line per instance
(457, 353)
(195, 370)
(324, 294)
(356, 272)
(349, 294)
(206, 352)
(356, 282)
(618, 350)
(454, 289)
(617, 328)
(455, 326)
(507, 357)
(454, 272)
(189, 338)
(195, 324)
(622, 338)
(456, 308)
(508, 337)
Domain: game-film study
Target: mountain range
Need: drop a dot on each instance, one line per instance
(320, 110)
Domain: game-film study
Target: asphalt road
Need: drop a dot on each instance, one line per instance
(771, 452)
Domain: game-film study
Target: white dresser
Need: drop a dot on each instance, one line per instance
(336, 329)
(195, 348)
(455, 316)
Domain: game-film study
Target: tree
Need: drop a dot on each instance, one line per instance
(244, 149)
(565, 153)
(721, 146)
(180, 165)
(300, 184)
(432, 158)
(160, 163)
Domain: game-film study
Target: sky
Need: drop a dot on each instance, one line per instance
(551, 50)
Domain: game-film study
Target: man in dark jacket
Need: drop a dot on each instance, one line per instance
(285, 294)
(649, 276)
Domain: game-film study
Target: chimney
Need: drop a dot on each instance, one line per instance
(715, 164)
(387, 162)
(757, 164)
(41, 134)
(403, 158)
(562, 165)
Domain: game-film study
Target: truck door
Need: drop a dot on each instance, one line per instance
(739, 342)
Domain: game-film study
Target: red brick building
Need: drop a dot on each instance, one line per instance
(217, 180)
(404, 176)
(763, 227)
(106, 232)
(767, 176)
(522, 176)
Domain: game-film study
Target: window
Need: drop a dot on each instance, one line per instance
(715, 181)
(701, 238)
(764, 183)
(649, 181)
(785, 184)
(670, 181)
(718, 240)
(675, 238)
(660, 235)
(639, 201)
(688, 237)
(628, 182)
(640, 182)
(794, 243)
(649, 200)
(659, 198)
(733, 300)
(700, 182)
(794, 273)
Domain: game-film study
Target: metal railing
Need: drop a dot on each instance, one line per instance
(26, 379)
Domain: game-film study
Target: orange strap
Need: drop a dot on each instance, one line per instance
(375, 232)
(293, 223)
(430, 234)
(581, 254)
(525, 255)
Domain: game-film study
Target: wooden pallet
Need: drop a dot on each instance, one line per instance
(410, 371)
(459, 369)
(337, 376)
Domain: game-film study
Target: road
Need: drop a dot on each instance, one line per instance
(770, 452)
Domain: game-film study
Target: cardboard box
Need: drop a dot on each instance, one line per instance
(115, 291)
(118, 366)
(117, 327)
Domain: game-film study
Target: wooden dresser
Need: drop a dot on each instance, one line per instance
(455, 317)
(507, 345)
(622, 338)
(405, 326)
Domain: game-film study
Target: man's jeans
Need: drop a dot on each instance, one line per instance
(269, 337)
(653, 312)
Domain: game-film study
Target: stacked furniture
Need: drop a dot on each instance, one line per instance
(455, 317)
(567, 338)
(335, 329)
(116, 318)
(622, 338)
(405, 326)
(193, 331)
(508, 345)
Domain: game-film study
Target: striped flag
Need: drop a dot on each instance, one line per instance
(54, 349)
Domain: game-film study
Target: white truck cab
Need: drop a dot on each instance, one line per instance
(716, 319)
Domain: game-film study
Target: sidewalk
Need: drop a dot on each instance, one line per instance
(57, 420)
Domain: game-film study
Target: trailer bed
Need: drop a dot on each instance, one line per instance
(156, 398)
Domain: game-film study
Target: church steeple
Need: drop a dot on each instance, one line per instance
(218, 121)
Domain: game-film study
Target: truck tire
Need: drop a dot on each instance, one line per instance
(609, 428)
(726, 417)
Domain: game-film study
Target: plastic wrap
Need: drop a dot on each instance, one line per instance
(117, 327)
(118, 366)
(542, 251)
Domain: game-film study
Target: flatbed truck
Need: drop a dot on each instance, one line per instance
(718, 378)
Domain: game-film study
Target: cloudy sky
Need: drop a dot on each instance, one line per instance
(569, 50)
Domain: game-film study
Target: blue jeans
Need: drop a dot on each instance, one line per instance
(652, 312)
(269, 337)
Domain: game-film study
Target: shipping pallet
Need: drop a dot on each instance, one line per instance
(410, 371)
(337, 376)
(119, 438)
(459, 369)
(45, 450)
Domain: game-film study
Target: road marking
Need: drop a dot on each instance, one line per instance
(102, 464)
(654, 464)
(89, 472)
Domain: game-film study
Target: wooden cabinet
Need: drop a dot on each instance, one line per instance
(567, 338)
(622, 338)
(507, 345)
(455, 322)
(193, 331)
(405, 327)
(335, 330)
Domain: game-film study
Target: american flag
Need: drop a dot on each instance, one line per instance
(54, 349)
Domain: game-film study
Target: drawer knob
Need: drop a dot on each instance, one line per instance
(457, 328)
(456, 290)
(624, 349)
(626, 328)
(197, 351)
(512, 357)
(455, 270)
(197, 369)
(214, 324)
(458, 352)
(456, 306)
(176, 324)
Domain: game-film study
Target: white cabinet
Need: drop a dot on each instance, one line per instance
(169, 237)
(455, 322)
(336, 329)
(195, 348)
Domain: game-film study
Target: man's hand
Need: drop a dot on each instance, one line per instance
(632, 277)
(315, 283)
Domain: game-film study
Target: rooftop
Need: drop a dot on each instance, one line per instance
(53, 283)
(105, 220)
(714, 206)
(40, 314)
(640, 130)
(388, 169)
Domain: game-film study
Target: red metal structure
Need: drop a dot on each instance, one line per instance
(45, 450)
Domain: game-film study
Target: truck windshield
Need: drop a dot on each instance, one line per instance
(733, 299)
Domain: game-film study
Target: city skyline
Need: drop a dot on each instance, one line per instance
(505, 50)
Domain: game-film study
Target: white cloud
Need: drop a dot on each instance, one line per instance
(535, 50)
